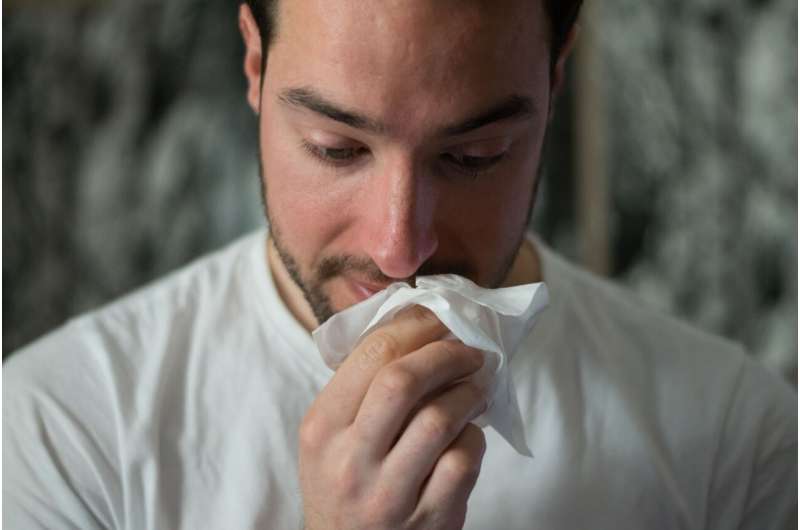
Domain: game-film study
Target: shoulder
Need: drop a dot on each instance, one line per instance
(100, 359)
(619, 332)
(754, 485)
(615, 322)
(142, 322)
(74, 399)
(110, 353)
(731, 424)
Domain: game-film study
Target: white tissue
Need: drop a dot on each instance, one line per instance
(492, 320)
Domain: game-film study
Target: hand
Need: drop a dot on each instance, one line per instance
(388, 443)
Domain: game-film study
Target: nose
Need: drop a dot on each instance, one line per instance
(400, 229)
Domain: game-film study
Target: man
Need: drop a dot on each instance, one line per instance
(397, 139)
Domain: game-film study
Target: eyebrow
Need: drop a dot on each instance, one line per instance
(513, 107)
(310, 99)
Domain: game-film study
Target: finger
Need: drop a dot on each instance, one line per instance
(411, 329)
(399, 387)
(432, 429)
(453, 478)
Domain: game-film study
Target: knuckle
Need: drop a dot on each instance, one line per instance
(436, 424)
(378, 347)
(313, 432)
(473, 391)
(423, 315)
(460, 466)
(461, 353)
(452, 348)
(476, 439)
(395, 379)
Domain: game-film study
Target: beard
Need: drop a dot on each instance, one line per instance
(312, 285)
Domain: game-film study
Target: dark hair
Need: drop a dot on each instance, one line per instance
(562, 13)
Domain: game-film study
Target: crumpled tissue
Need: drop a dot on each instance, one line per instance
(492, 320)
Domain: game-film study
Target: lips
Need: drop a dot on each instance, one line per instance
(362, 291)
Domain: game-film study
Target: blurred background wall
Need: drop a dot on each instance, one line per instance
(128, 150)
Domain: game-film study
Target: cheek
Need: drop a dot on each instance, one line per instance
(490, 222)
(494, 208)
(483, 222)
(302, 204)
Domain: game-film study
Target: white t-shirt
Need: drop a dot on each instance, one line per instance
(178, 407)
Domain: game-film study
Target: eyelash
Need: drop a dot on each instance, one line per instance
(323, 154)
(482, 164)
(326, 156)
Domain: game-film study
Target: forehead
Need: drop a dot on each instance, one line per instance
(411, 60)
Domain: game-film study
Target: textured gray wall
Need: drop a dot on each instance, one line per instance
(704, 150)
(128, 150)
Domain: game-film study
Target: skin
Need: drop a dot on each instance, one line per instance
(387, 443)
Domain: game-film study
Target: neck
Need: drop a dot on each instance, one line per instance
(526, 267)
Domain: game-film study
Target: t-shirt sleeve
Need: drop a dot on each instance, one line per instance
(59, 470)
(755, 475)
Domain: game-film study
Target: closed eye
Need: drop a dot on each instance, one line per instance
(472, 165)
(335, 156)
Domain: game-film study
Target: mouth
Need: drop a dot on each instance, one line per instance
(362, 290)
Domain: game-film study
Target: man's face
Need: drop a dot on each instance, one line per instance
(400, 139)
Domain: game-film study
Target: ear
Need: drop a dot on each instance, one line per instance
(557, 79)
(252, 56)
